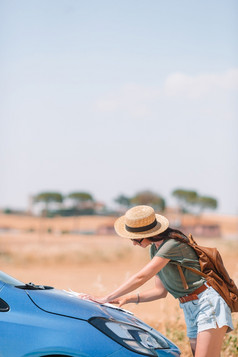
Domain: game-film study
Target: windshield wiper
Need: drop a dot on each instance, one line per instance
(31, 286)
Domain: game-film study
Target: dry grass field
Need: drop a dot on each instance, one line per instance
(97, 264)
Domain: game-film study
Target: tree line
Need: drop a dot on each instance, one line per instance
(188, 201)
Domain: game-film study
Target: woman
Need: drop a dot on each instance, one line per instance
(207, 315)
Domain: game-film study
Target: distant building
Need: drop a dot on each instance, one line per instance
(202, 230)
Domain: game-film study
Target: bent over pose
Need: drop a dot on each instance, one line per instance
(207, 315)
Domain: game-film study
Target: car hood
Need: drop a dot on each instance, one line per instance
(65, 303)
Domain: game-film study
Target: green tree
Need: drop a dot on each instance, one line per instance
(190, 201)
(205, 202)
(81, 199)
(149, 198)
(47, 198)
(123, 201)
(186, 199)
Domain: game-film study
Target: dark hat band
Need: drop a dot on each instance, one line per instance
(141, 229)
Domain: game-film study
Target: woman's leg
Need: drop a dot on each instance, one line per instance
(209, 342)
(193, 343)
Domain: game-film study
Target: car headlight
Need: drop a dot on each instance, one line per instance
(130, 336)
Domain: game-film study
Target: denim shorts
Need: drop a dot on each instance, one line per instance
(209, 311)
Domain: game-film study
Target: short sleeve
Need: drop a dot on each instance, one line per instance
(182, 253)
(170, 249)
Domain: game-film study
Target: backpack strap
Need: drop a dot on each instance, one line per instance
(179, 266)
(198, 272)
(191, 242)
(185, 285)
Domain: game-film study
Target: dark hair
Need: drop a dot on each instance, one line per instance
(168, 234)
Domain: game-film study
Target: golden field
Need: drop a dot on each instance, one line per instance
(96, 264)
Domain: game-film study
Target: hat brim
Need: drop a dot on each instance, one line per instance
(161, 226)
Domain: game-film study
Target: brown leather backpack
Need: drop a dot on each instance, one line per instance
(214, 271)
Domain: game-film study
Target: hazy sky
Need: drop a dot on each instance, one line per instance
(120, 96)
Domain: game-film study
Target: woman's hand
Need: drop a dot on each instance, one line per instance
(123, 300)
(102, 300)
(83, 296)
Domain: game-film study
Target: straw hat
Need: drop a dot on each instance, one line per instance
(140, 222)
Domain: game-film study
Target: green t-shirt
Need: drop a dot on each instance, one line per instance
(169, 275)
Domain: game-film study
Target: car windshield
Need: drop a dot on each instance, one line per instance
(5, 278)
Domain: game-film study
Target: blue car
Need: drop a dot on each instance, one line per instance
(37, 320)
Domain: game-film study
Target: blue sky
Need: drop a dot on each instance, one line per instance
(115, 97)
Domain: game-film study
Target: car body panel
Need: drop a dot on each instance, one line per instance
(59, 333)
(67, 304)
(72, 306)
(53, 322)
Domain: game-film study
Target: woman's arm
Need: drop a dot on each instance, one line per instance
(138, 279)
(158, 292)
